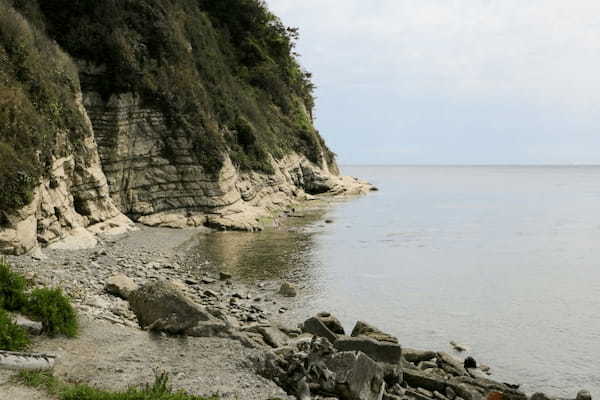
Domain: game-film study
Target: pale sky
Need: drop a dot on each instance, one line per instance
(453, 81)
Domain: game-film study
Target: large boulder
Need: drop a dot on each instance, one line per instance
(357, 377)
(363, 329)
(161, 306)
(451, 364)
(272, 335)
(331, 322)
(384, 352)
(419, 379)
(417, 356)
(120, 285)
(315, 326)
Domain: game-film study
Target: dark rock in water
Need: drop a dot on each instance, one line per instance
(363, 329)
(470, 363)
(584, 395)
(539, 396)
(451, 364)
(224, 276)
(316, 327)
(357, 377)
(385, 352)
(331, 322)
(417, 356)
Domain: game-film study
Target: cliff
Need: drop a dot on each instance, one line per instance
(173, 113)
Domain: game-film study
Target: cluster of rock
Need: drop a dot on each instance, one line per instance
(324, 363)
(318, 360)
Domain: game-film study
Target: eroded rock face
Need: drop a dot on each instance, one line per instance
(69, 206)
(130, 165)
(155, 179)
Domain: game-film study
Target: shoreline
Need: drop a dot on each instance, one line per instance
(112, 351)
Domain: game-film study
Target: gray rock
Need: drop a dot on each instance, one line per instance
(416, 378)
(539, 396)
(288, 290)
(120, 285)
(450, 393)
(331, 322)
(316, 327)
(162, 306)
(223, 276)
(33, 327)
(451, 364)
(584, 395)
(363, 329)
(272, 336)
(417, 356)
(357, 377)
(385, 352)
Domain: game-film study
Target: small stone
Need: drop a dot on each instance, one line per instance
(223, 276)
(210, 293)
(539, 396)
(191, 281)
(470, 363)
(120, 285)
(208, 281)
(288, 290)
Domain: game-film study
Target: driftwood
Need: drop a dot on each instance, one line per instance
(26, 361)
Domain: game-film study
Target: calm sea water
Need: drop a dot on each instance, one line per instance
(505, 260)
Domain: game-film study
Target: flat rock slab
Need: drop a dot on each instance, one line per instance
(385, 352)
(316, 327)
(417, 356)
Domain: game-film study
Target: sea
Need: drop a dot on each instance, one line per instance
(504, 260)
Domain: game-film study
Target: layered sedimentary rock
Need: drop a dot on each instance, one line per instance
(70, 205)
(162, 118)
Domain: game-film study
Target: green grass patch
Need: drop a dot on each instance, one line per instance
(48, 306)
(12, 337)
(158, 390)
(54, 310)
(12, 288)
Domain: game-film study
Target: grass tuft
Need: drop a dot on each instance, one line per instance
(12, 288)
(54, 310)
(12, 337)
(159, 390)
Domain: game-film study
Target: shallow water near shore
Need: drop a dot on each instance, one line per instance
(505, 260)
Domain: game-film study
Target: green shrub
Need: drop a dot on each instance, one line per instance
(53, 309)
(12, 288)
(12, 337)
